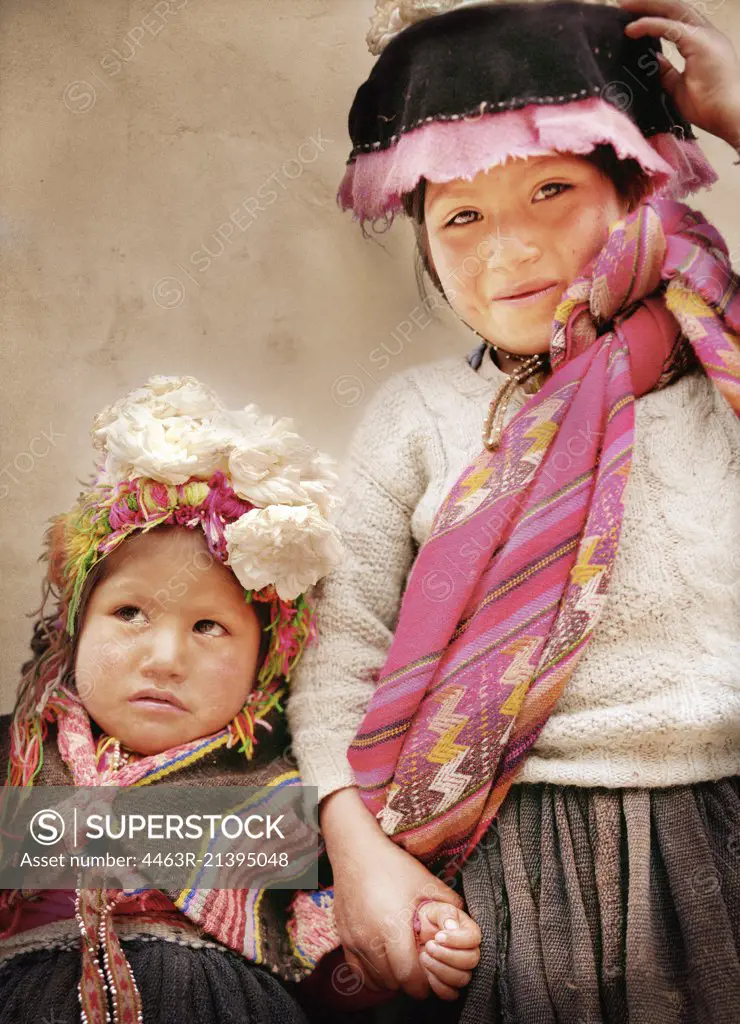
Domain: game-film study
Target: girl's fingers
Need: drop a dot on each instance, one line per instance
(673, 9)
(403, 961)
(467, 937)
(438, 916)
(447, 975)
(670, 76)
(433, 913)
(441, 990)
(462, 959)
(687, 38)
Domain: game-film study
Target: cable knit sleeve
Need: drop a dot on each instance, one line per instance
(382, 481)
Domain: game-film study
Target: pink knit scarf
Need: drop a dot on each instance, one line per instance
(506, 592)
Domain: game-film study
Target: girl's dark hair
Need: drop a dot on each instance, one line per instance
(631, 182)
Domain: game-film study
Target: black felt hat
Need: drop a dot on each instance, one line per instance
(458, 93)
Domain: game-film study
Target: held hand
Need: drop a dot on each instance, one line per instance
(375, 908)
(450, 940)
(377, 888)
(707, 91)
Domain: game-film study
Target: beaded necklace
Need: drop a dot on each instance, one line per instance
(493, 427)
(110, 754)
(109, 757)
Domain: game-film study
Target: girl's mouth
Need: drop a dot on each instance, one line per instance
(530, 298)
(155, 701)
(156, 705)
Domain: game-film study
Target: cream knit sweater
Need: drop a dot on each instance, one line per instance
(655, 699)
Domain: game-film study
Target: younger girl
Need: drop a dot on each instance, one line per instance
(176, 611)
(532, 652)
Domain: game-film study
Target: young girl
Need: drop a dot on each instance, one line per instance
(532, 649)
(176, 611)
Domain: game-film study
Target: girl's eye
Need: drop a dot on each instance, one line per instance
(557, 185)
(130, 613)
(208, 627)
(463, 217)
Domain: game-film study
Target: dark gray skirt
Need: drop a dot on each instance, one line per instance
(178, 984)
(606, 906)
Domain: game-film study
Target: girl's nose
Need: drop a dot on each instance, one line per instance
(506, 247)
(164, 657)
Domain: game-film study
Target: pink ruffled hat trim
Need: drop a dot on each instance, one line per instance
(375, 181)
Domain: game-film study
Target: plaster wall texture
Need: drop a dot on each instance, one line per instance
(167, 181)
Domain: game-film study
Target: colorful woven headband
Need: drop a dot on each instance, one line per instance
(172, 455)
(453, 95)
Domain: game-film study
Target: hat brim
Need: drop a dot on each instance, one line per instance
(467, 144)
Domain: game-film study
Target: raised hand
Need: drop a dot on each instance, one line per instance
(707, 91)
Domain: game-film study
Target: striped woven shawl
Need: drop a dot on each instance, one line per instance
(508, 588)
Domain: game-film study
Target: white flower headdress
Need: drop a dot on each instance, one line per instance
(176, 432)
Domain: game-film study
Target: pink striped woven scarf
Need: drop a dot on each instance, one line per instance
(509, 586)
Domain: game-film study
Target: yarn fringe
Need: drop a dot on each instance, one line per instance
(103, 518)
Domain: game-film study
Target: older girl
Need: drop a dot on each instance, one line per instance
(533, 651)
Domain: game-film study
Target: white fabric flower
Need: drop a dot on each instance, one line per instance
(270, 464)
(163, 397)
(171, 450)
(164, 430)
(174, 429)
(291, 547)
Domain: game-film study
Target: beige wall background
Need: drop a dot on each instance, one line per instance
(167, 182)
